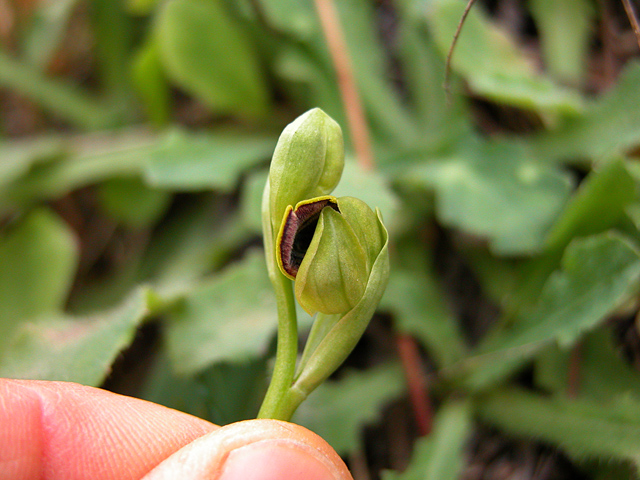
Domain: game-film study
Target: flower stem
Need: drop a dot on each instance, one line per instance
(276, 401)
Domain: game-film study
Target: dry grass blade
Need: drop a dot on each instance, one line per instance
(348, 90)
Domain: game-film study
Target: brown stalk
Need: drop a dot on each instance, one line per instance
(628, 7)
(346, 82)
(575, 368)
(411, 363)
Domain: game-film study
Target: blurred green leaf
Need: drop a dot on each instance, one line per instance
(598, 273)
(175, 160)
(130, 201)
(338, 410)
(189, 161)
(151, 83)
(603, 373)
(205, 51)
(493, 65)
(440, 455)
(230, 318)
(493, 190)
(64, 100)
(583, 428)
(38, 258)
(251, 200)
(372, 188)
(598, 205)
(195, 241)
(565, 28)
(45, 31)
(417, 304)
(59, 347)
(18, 157)
(389, 120)
(89, 159)
(609, 127)
(444, 119)
(140, 7)
(223, 393)
(113, 32)
(292, 16)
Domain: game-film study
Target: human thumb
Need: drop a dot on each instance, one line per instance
(254, 450)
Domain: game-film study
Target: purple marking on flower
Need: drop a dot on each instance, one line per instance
(297, 233)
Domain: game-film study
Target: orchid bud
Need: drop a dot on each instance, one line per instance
(307, 162)
(329, 246)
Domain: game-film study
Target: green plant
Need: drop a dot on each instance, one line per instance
(133, 169)
(334, 249)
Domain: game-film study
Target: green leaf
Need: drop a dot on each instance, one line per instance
(609, 127)
(372, 188)
(205, 51)
(89, 159)
(583, 428)
(444, 119)
(64, 100)
(493, 190)
(173, 160)
(440, 455)
(223, 393)
(251, 200)
(231, 317)
(419, 309)
(151, 83)
(493, 65)
(598, 273)
(45, 31)
(192, 162)
(598, 205)
(38, 258)
(18, 157)
(191, 243)
(338, 410)
(603, 374)
(130, 201)
(565, 29)
(60, 347)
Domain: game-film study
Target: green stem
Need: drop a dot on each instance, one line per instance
(277, 404)
(321, 326)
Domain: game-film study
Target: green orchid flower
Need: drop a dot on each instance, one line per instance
(335, 250)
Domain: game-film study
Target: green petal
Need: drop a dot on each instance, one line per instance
(307, 162)
(333, 274)
(365, 224)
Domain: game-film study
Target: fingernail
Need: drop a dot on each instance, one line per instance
(276, 460)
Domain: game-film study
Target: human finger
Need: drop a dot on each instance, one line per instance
(59, 430)
(255, 450)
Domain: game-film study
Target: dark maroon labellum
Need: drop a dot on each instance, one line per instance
(297, 232)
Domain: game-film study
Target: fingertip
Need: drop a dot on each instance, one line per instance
(66, 430)
(255, 450)
(275, 460)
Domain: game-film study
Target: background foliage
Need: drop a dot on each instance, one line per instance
(134, 141)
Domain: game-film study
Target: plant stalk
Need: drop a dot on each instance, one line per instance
(276, 404)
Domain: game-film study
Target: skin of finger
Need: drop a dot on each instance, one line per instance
(60, 430)
(255, 450)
